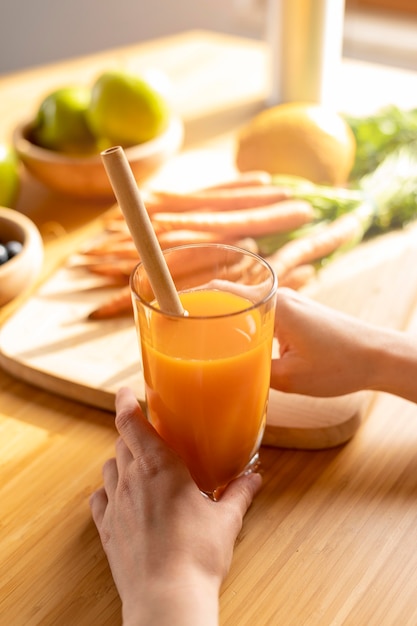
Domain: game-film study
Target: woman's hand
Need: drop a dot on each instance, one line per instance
(169, 547)
(322, 352)
(326, 353)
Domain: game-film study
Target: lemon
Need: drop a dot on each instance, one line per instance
(126, 109)
(60, 122)
(299, 139)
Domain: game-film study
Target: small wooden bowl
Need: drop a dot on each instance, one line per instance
(21, 271)
(85, 177)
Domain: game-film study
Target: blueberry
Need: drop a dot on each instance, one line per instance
(13, 248)
(4, 255)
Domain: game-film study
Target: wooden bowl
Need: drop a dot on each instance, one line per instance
(20, 272)
(85, 177)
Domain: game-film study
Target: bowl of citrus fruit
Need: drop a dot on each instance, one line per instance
(61, 144)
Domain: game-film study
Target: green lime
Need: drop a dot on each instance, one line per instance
(9, 176)
(126, 109)
(61, 122)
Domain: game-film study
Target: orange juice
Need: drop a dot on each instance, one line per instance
(207, 381)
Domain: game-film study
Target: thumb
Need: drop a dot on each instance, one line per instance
(241, 491)
(279, 378)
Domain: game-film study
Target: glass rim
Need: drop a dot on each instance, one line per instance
(270, 294)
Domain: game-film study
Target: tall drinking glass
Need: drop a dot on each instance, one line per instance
(207, 373)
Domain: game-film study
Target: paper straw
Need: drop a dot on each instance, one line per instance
(140, 226)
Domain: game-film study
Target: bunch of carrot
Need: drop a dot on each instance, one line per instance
(245, 211)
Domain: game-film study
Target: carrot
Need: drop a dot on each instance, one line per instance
(119, 249)
(76, 261)
(318, 244)
(180, 237)
(116, 249)
(199, 268)
(245, 179)
(273, 218)
(248, 243)
(105, 237)
(229, 199)
(116, 226)
(120, 270)
(118, 305)
(298, 276)
(204, 275)
(193, 261)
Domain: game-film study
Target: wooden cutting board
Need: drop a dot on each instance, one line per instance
(50, 343)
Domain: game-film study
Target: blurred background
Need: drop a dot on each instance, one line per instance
(35, 33)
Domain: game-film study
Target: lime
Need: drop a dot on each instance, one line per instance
(61, 122)
(9, 176)
(126, 109)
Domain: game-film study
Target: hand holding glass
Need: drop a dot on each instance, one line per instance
(207, 373)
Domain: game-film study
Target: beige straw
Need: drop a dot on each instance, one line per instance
(129, 199)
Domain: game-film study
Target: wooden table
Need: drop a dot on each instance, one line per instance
(332, 537)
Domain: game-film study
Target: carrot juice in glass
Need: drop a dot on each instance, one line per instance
(207, 372)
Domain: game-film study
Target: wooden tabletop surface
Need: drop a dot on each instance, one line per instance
(331, 539)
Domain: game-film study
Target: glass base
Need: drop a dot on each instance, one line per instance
(253, 466)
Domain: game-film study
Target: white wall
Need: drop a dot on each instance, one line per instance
(34, 32)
